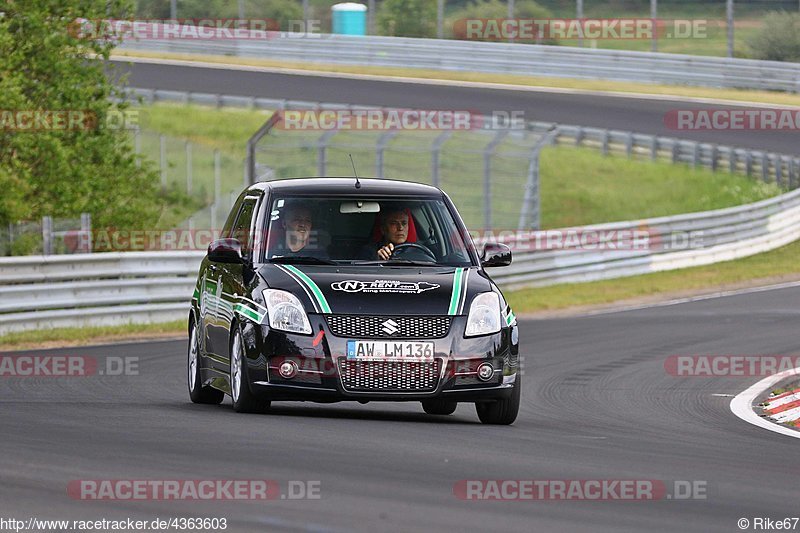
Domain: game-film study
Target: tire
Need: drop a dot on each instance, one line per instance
(198, 393)
(439, 407)
(501, 412)
(244, 401)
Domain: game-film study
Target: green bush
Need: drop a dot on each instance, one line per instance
(407, 18)
(778, 39)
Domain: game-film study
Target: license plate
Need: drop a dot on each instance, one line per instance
(395, 351)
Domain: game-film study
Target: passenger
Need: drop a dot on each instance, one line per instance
(299, 239)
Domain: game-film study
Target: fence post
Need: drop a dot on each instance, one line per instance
(606, 138)
(764, 167)
(217, 176)
(792, 173)
(532, 200)
(380, 148)
(162, 147)
(654, 148)
(629, 144)
(189, 167)
(675, 150)
(322, 146)
(487, 177)
(579, 136)
(748, 163)
(86, 233)
(47, 235)
(778, 162)
(732, 167)
(436, 150)
(696, 155)
(714, 156)
(137, 145)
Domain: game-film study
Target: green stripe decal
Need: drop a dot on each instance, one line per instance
(323, 303)
(510, 318)
(455, 295)
(196, 294)
(248, 313)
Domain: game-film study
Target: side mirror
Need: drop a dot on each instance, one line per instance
(496, 255)
(225, 251)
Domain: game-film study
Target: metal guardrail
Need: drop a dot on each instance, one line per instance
(497, 58)
(118, 288)
(95, 289)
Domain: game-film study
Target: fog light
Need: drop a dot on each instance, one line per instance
(288, 369)
(485, 372)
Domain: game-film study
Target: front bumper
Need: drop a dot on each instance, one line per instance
(319, 375)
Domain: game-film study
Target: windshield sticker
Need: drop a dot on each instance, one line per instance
(384, 285)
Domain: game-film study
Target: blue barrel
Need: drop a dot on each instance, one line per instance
(349, 18)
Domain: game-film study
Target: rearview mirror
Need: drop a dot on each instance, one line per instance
(225, 251)
(496, 255)
(359, 207)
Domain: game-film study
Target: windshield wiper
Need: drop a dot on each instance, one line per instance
(302, 259)
(401, 262)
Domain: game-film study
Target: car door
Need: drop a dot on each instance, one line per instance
(230, 283)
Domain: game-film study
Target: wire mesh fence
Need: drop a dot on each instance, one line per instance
(484, 171)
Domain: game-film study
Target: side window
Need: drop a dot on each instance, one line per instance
(226, 229)
(241, 228)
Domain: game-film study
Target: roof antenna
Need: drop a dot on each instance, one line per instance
(358, 183)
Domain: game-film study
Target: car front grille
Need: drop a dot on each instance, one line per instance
(389, 376)
(395, 327)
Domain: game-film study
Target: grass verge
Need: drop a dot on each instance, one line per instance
(763, 97)
(760, 269)
(65, 337)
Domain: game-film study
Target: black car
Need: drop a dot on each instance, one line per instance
(332, 289)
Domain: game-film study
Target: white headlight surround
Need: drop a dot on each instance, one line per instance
(285, 312)
(484, 315)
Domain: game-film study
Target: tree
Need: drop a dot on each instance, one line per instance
(49, 67)
(407, 18)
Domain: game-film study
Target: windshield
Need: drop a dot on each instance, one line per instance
(360, 230)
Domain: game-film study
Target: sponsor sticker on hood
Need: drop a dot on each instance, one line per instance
(384, 286)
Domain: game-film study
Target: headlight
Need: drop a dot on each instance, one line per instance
(285, 311)
(484, 315)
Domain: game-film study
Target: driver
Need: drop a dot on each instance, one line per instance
(394, 230)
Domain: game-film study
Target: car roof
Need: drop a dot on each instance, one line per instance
(346, 185)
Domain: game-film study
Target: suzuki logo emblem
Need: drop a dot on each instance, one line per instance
(390, 327)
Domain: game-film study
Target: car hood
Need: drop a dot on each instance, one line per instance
(379, 290)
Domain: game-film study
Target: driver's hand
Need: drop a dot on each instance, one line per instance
(386, 252)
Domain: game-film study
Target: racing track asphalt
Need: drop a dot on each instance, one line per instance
(636, 114)
(597, 404)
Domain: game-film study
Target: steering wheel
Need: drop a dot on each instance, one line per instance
(406, 247)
